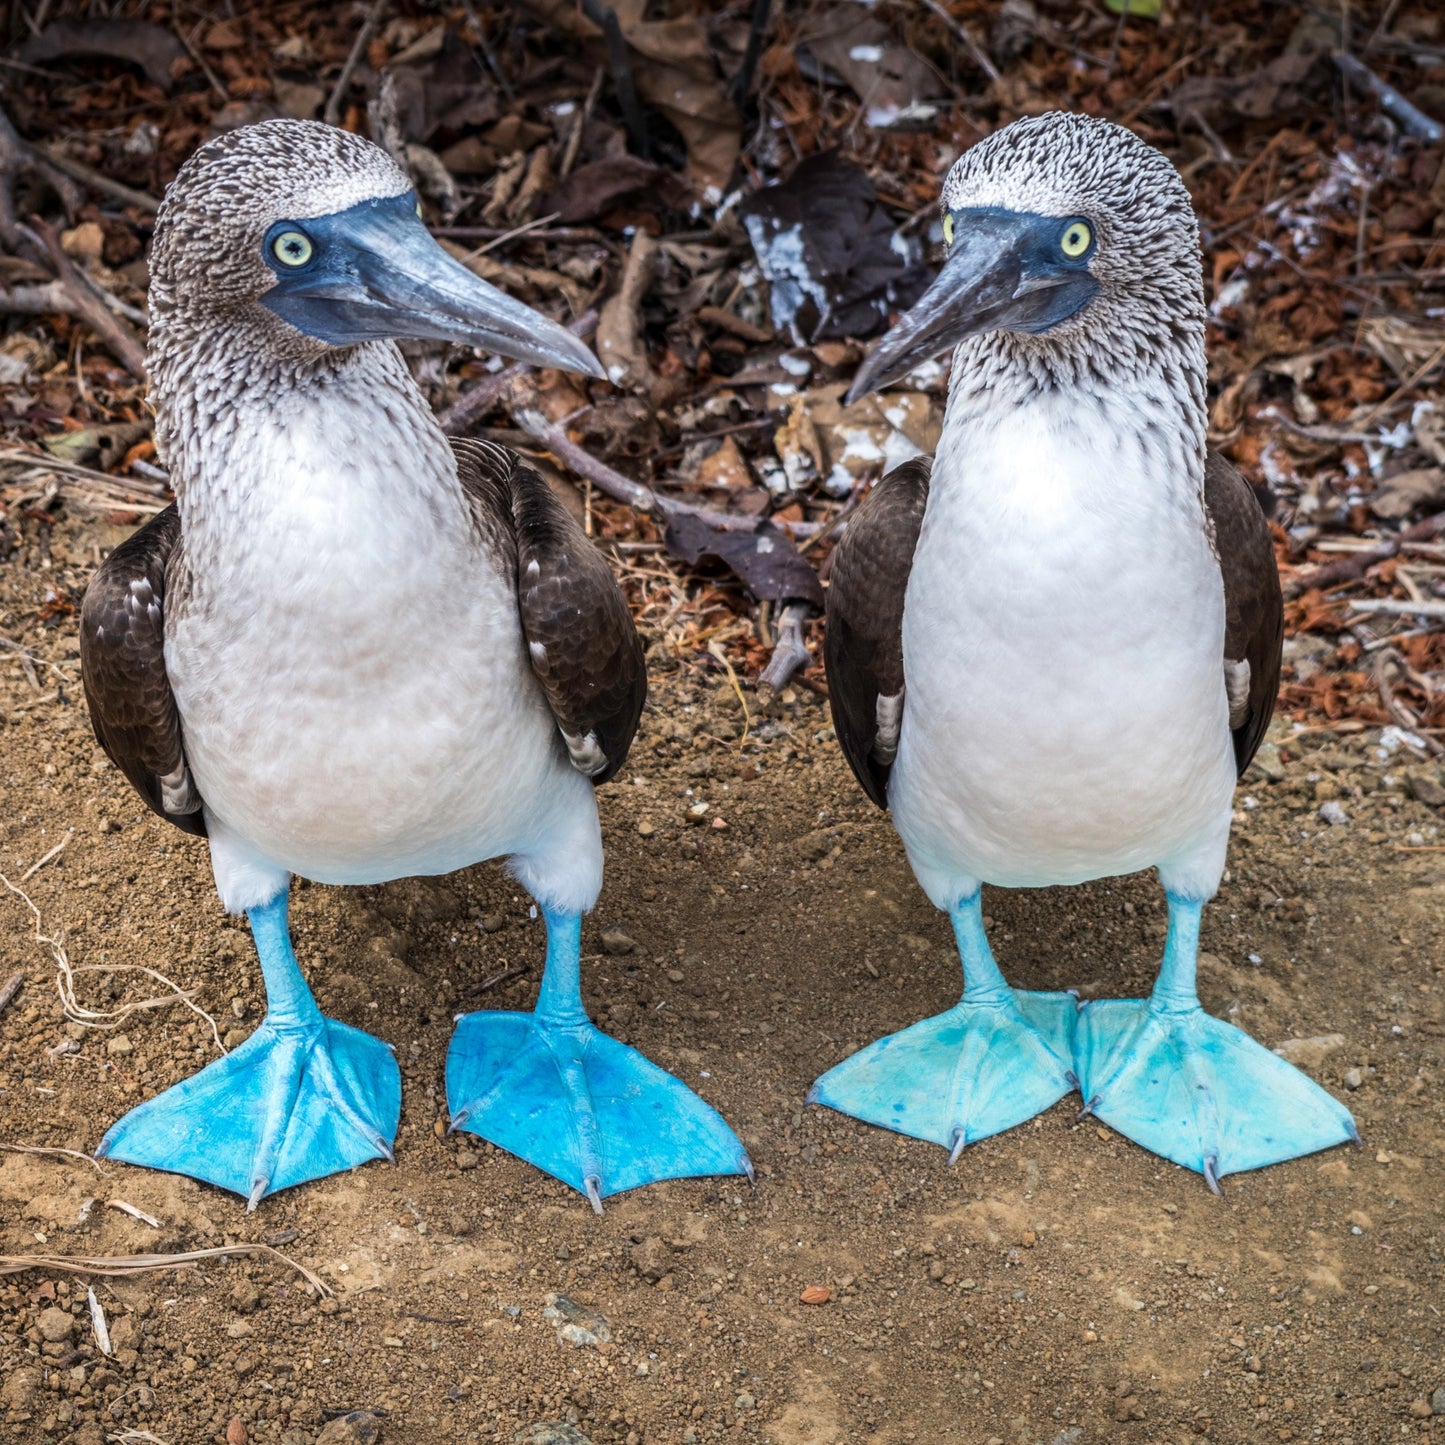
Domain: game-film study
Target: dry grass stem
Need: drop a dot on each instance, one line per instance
(45, 858)
(66, 972)
(63, 1153)
(126, 1264)
(130, 1209)
(715, 648)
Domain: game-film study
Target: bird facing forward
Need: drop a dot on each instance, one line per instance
(353, 650)
(1052, 649)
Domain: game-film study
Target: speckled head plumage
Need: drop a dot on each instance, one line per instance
(289, 250)
(1146, 236)
(207, 252)
(1074, 251)
(290, 254)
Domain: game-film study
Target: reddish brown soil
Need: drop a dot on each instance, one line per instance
(1059, 1285)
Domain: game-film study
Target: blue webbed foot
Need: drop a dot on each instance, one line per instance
(286, 1106)
(584, 1108)
(554, 1090)
(303, 1097)
(994, 1060)
(1191, 1087)
(1197, 1090)
(963, 1075)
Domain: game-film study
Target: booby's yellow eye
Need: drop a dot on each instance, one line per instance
(948, 229)
(418, 210)
(1077, 239)
(291, 248)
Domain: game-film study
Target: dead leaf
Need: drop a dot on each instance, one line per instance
(836, 265)
(874, 435)
(595, 188)
(138, 42)
(1401, 494)
(765, 559)
(895, 86)
(102, 445)
(448, 89)
(676, 74)
(726, 468)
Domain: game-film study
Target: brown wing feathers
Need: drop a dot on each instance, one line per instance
(1253, 604)
(583, 646)
(580, 636)
(863, 645)
(123, 667)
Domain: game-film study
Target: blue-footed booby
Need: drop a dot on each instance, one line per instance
(1052, 649)
(353, 650)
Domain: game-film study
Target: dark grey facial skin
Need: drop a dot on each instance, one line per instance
(1006, 271)
(374, 273)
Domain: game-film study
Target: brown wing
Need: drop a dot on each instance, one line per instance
(123, 667)
(584, 648)
(1253, 604)
(863, 646)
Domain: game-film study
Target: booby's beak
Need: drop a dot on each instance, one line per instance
(373, 272)
(1007, 271)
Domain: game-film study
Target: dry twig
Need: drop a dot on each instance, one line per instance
(65, 975)
(98, 180)
(87, 303)
(1412, 120)
(554, 437)
(358, 49)
(42, 1149)
(45, 858)
(11, 987)
(126, 1264)
(1352, 568)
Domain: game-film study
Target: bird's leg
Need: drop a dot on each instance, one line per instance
(1193, 1088)
(303, 1097)
(555, 1090)
(995, 1059)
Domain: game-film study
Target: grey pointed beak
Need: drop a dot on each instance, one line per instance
(999, 276)
(375, 273)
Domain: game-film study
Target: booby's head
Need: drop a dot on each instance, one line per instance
(1070, 237)
(314, 237)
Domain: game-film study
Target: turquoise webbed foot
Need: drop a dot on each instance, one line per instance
(997, 1058)
(305, 1096)
(553, 1089)
(1192, 1088)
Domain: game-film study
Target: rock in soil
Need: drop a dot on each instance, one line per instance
(356, 1427)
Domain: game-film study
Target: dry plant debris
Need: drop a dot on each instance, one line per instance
(610, 160)
(744, 192)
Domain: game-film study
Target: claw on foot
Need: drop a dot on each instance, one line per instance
(1211, 1173)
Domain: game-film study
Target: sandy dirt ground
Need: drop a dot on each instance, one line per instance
(1058, 1285)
